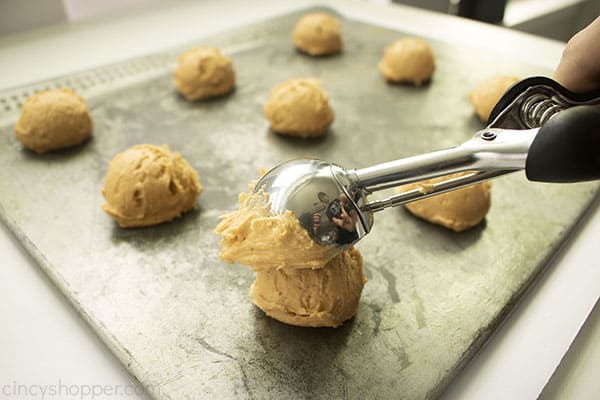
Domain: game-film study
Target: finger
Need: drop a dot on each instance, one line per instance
(579, 68)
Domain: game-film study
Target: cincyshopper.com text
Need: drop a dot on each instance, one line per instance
(62, 390)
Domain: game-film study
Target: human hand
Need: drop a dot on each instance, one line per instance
(579, 67)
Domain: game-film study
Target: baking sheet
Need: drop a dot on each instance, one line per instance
(182, 321)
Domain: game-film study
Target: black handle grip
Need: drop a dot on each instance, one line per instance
(567, 147)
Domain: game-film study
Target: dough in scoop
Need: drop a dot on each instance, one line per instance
(298, 282)
(204, 72)
(299, 107)
(52, 120)
(408, 60)
(458, 210)
(253, 237)
(488, 92)
(147, 184)
(318, 34)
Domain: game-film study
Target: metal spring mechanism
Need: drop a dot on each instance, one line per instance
(537, 109)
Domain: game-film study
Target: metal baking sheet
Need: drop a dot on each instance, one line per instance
(182, 321)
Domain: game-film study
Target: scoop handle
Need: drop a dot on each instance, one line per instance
(526, 103)
(567, 147)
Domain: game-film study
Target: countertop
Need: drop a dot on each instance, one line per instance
(45, 342)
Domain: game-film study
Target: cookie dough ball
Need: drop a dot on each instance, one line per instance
(458, 210)
(318, 34)
(147, 184)
(204, 72)
(52, 120)
(323, 297)
(485, 95)
(299, 107)
(298, 282)
(408, 60)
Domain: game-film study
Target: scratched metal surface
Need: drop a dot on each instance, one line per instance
(182, 321)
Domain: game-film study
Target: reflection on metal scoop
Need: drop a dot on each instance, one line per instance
(331, 202)
(323, 196)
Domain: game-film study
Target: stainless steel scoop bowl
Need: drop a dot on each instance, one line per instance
(331, 202)
(324, 197)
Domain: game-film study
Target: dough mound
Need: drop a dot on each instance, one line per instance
(488, 92)
(408, 60)
(52, 120)
(318, 34)
(146, 185)
(203, 72)
(458, 210)
(316, 298)
(299, 107)
(298, 282)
